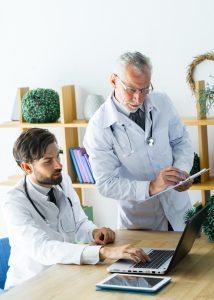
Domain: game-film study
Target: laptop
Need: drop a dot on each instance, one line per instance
(164, 260)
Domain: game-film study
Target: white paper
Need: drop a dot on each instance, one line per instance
(190, 178)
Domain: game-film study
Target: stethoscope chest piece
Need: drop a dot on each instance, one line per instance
(150, 141)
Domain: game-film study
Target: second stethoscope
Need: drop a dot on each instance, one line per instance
(36, 208)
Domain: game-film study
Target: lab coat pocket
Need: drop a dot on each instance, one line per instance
(122, 143)
(162, 146)
(68, 229)
(67, 223)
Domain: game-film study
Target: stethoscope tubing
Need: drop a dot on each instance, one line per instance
(149, 139)
(36, 208)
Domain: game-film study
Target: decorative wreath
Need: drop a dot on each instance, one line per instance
(198, 59)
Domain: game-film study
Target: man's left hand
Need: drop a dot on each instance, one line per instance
(185, 186)
(103, 236)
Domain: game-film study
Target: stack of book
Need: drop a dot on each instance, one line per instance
(81, 164)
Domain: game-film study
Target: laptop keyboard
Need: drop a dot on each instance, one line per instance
(158, 257)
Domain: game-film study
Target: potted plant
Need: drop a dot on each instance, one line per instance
(208, 224)
(205, 95)
(41, 106)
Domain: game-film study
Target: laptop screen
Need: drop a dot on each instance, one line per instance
(191, 232)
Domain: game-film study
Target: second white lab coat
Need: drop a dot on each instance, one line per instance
(123, 163)
(37, 244)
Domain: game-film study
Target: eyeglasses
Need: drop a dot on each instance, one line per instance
(133, 91)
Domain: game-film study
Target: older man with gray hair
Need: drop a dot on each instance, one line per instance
(138, 147)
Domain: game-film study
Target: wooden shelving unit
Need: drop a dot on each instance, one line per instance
(202, 122)
(68, 124)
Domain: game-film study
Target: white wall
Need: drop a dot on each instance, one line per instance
(50, 43)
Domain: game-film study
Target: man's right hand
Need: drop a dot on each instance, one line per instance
(125, 252)
(167, 177)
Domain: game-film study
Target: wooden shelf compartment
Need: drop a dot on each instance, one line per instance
(204, 186)
(191, 121)
(78, 185)
(17, 124)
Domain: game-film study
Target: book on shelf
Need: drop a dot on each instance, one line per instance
(88, 169)
(87, 159)
(78, 156)
(81, 164)
(75, 165)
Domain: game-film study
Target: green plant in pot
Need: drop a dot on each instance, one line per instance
(41, 106)
(206, 99)
(204, 95)
(191, 212)
(196, 168)
(208, 224)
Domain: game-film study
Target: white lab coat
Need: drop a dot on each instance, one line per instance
(37, 244)
(123, 163)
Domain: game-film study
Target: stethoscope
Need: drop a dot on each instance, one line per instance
(149, 140)
(36, 208)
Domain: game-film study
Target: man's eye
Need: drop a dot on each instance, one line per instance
(132, 90)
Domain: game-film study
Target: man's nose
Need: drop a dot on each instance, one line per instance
(138, 97)
(57, 164)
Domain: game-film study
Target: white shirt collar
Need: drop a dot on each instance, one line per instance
(41, 189)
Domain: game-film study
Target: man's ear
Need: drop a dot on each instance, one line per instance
(113, 80)
(26, 167)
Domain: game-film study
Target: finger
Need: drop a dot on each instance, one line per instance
(100, 238)
(174, 174)
(169, 169)
(109, 236)
(139, 253)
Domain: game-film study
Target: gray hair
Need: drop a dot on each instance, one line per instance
(132, 58)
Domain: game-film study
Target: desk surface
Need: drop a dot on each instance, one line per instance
(193, 278)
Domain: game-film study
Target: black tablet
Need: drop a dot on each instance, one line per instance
(137, 283)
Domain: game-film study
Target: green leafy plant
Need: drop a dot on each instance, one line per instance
(208, 225)
(196, 168)
(191, 212)
(206, 99)
(41, 106)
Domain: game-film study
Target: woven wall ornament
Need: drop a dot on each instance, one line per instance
(41, 106)
(197, 60)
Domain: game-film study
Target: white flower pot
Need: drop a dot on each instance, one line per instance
(92, 103)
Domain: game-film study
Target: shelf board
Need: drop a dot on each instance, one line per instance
(12, 180)
(76, 124)
(17, 124)
(10, 124)
(83, 185)
(204, 186)
(196, 122)
(191, 121)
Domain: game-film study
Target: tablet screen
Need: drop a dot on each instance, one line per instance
(133, 281)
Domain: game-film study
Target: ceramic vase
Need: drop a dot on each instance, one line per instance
(92, 103)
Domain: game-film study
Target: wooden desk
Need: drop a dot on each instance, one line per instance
(193, 278)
